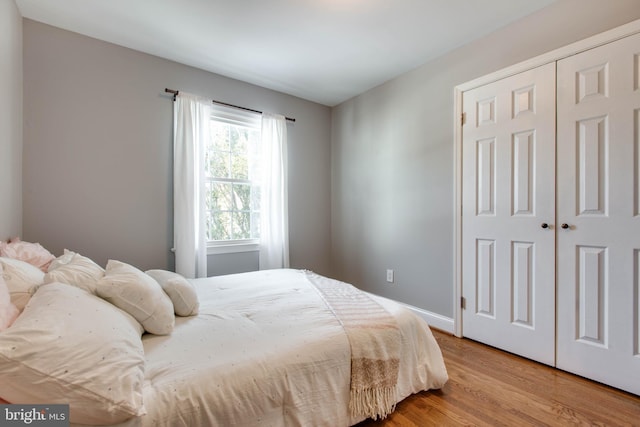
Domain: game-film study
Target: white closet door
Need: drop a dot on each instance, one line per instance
(599, 200)
(508, 211)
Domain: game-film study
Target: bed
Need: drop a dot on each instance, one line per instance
(272, 348)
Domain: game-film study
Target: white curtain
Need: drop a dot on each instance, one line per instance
(191, 117)
(274, 214)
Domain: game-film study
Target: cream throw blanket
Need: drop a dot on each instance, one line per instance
(374, 338)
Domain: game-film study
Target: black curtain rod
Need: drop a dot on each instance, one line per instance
(176, 92)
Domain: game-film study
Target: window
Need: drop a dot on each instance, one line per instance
(232, 171)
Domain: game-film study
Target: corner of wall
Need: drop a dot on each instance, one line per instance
(11, 123)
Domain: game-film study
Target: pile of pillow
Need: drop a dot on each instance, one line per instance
(74, 329)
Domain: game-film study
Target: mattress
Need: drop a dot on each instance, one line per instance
(265, 349)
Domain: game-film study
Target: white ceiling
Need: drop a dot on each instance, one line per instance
(325, 51)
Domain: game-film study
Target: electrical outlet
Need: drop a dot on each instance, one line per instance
(390, 276)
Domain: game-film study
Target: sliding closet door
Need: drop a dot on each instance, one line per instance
(508, 211)
(599, 201)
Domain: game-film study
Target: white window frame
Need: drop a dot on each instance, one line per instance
(243, 118)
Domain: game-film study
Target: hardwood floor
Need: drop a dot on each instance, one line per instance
(489, 387)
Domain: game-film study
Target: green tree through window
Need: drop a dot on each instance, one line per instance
(232, 187)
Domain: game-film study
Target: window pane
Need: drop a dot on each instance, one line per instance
(241, 197)
(240, 153)
(239, 165)
(239, 142)
(233, 137)
(219, 165)
(241, 225)
(221, 196)
(219, 226)
(217, 152)
(220, 136)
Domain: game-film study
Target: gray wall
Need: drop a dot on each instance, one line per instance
(10, 120)
(371, 181)
(98, 153)
(392, 156)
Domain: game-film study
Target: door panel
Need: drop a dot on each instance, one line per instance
(597, 187)
(523, 286)
(508, 156)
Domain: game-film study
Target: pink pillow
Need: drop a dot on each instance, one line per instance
(33, 253)
(8, 311)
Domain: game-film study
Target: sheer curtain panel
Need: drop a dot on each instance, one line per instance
(274, 216)
(191, 117)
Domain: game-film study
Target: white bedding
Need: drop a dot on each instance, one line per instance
(266, 350)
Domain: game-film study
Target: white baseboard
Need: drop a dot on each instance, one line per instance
(434, 320)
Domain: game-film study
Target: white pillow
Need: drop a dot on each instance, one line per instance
(22, 279)
(79, 271)
(61, 260)
(139, 295)
(8, 311)
(182, 293)
(69, 346)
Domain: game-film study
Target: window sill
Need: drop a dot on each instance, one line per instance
(229, 248)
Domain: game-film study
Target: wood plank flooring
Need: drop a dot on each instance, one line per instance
(489, 387)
